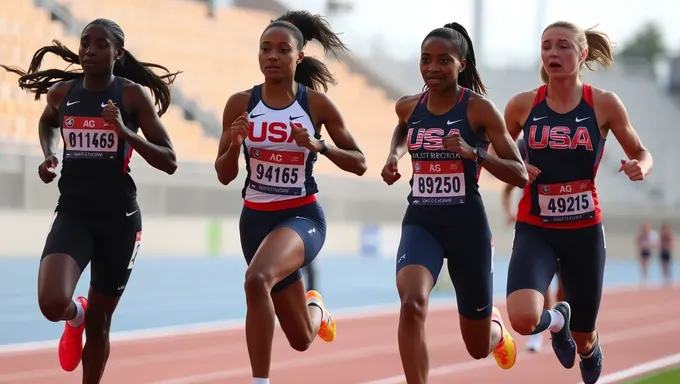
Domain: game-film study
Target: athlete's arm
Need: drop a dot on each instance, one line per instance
(157, 148)
(345, 153)
(48, 125)
(618, 122)
(226, 164)
(404, 107)
(506, 164)
(516, 113)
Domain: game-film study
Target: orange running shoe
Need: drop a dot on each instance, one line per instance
(71, 342)
(327, 329)
(505, 352)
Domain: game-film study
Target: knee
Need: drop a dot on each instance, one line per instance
(524, 322)
(256, 284)
(414, 307)
(53, 306)
(478, 350)
(300, 344)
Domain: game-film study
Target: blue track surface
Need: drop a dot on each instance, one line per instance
(165, 292)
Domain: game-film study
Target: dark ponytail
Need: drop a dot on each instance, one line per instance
(458, 35)
(39, 82)
(306, 27)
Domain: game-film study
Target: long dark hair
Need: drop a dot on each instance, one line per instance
(306, 27)
(458, 35)
(39, 81)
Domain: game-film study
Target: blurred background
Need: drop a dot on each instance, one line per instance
(190, 268)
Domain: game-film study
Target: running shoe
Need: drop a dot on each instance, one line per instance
(71, 342)
(327, 329)
(505, 352)
(562, 342)
(591, 367)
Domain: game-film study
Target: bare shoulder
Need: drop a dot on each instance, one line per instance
(606, 99)
(318, 99)
(238, 101)
(480, 103)
(55, 95)
(405, 105)
(522, 100)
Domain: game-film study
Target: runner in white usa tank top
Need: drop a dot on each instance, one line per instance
(282, 226)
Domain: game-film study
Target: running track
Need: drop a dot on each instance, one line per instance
(636, 325)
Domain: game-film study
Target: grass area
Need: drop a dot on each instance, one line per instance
(670, 376)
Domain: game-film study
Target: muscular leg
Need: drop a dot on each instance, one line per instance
(280, 254)
(97, 327)
(419, 261)
(532, 266)
(58, 276)
(414, 283)
(300, 322)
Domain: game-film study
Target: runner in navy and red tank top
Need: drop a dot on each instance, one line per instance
(565, 123)
(282, 226)
(97, 220)
(447, 130)
(535, 341)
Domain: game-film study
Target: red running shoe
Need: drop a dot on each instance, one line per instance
(71, 342)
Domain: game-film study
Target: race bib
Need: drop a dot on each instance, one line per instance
(277, 172)
(89, 138)
(438, 182)
(566, 202)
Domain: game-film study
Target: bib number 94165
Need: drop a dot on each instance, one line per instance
(438, 182)
(566, 202)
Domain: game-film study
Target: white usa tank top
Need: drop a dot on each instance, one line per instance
(279, 172)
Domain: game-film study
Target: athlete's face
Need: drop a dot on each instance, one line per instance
(560, 55)
(440, 63)
(279, 55)
(98, 50)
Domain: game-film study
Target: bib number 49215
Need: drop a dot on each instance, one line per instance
(566, 202)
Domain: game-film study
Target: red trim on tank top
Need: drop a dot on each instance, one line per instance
(281, 205)
(540, 95)
(588, 95)
(126, 162)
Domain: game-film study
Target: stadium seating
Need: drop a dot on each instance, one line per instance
(218, 57)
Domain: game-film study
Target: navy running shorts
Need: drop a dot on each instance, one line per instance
(308, 221)
(581, 253)
(468, 247)
(108, 239)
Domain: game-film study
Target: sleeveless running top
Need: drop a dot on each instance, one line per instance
(442, 179)
(95, 164)
(279, 172)
(567, 148)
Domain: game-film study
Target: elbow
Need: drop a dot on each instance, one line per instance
(171, 163)
(222, 176)
(361, 167)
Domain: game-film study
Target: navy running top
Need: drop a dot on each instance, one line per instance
(95, 165)
(567, 148)
(442, 183)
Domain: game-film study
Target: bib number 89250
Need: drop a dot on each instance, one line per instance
(439, 184)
